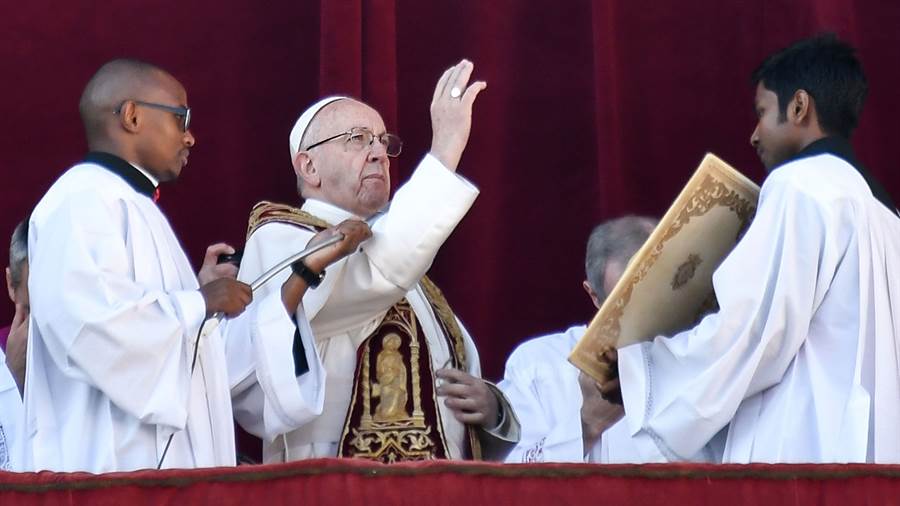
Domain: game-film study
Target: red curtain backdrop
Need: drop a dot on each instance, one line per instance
(593, 110)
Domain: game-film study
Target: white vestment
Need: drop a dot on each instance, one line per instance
(343, 311)
(542, 387)
(11, 439)
(115, 311)
(801, 361)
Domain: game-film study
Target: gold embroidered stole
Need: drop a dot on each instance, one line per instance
(393, 414)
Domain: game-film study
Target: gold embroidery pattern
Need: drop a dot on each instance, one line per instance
(389, 433)
(442, 309)
(391, 385)
(686, 271)
(458, 346)
(711, 193)
(267, 212)
(393, 445)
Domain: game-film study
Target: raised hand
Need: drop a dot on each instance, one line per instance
(211, 270)
(451, 113)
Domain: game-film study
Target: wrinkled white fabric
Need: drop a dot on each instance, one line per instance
(11, 421)
(542, 387)
(115, 309)
(349, 304)
(801, 361)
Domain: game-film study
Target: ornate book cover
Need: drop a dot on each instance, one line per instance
(667, 286)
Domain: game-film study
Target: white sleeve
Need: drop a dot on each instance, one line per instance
(681, 391)
(542, 439)
(268, 397)
(616, 446)
(404, 241)
(130, 341)
(272, 399)
(12, 443)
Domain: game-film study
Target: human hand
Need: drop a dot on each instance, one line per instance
(211, 270)
(597, 414)
(17, 345)
(470, 399)
(451, 117)
(226, 295)
(609, 386)
(354, 231)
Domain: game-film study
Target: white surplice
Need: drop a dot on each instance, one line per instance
(801, 361)
(115, 310)
(348, 306)
(11, 420)
(542, 387)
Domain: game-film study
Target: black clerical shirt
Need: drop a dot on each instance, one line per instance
(135, 178)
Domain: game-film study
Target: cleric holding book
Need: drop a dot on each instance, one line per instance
(800, 364)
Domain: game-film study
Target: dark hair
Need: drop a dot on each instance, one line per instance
(18, 252)
(827, 69)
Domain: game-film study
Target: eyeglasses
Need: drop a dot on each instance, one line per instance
(358, 138)
(183, 113)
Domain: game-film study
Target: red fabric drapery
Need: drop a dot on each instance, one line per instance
(593, 109)
(350, 481)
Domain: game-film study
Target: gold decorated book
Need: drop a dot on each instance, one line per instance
(667, 286)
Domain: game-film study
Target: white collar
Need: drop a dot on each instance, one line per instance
(325, 211)
(146, 174)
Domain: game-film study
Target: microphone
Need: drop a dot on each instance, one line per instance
(217, 318)
(211, 323)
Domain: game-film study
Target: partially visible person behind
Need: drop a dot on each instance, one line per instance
(12, 374)
(800, 364)
(14, 339)
(10, 421)
(561, 411)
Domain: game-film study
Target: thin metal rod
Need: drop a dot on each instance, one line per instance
(260, 281)
(280, 266)
(284, 264)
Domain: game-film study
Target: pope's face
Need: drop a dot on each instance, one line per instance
(357, 180)
(774, 137)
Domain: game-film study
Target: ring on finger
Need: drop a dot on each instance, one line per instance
(455, 92)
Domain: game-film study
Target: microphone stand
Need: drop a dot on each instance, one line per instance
(218, 317)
